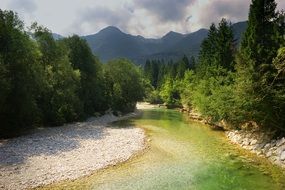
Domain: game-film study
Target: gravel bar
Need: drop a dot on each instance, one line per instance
(64, 153)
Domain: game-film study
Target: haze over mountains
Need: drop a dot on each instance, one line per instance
(111, 43)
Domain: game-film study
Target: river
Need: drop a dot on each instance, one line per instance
(183, 154)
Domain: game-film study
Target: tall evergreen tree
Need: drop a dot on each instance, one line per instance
(255, 71)
(192, 63)
(225, 45)
(259, 42)
(217, 50)
(212, 90)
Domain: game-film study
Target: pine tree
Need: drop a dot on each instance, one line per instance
(192, 63)
(212, 95)
(225, 45)
(217, 50)
(259, 42)
(255, 71)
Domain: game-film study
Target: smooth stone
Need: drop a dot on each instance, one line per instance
(280, 142)
(282, 157)
(253, 142)
(246, 142)
(259, 146)
(280, 149)
(268, 154)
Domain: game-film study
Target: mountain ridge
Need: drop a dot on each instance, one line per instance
(110, 43)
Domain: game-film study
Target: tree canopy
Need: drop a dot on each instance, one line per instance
(49, 82)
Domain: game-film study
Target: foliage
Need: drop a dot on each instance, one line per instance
(91, 91)
(243, 86)
(18, 75)
(124, 85)
(254, 92)
(209, 89)
(51, 82)
(260, 43)
(169, 92)
(278, 88)
(165, 78)
(58, 99)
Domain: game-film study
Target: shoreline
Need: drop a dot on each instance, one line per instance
(263, 144)
(51, 155)
(260, 143)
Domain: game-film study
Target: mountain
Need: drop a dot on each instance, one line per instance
(54, 35)
(111, 43)
(239, 28)
(57, 36)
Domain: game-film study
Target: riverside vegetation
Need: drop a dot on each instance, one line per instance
(60, 81)
(47, 82)
(232, 82)
(233, 85)
(44, 82)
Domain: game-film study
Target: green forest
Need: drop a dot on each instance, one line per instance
(48, 82)
(45, 82)
(228, 81)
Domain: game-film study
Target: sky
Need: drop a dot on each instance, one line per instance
(149, 18)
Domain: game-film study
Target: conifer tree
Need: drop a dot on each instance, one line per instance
(255, 71)
(259, 42)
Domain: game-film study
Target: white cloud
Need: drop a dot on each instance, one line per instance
(28, 6)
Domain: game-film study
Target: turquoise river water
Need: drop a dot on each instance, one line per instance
(183, 154)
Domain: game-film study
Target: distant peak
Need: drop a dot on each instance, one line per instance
(111, 29)
(202, 29)
(172, 34)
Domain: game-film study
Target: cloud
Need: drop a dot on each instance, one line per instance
(141, 17)
(150, 18)
(215, 10)
(166, 10)
(28, 6)
(95, 18)
(233, 10)
(281, 4)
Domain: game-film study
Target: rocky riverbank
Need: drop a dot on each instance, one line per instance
(261, 143)
(64, 153)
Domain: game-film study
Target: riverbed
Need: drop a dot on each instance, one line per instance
(49, 155)
(183, 154)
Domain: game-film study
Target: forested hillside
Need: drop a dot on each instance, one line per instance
(230, 82)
